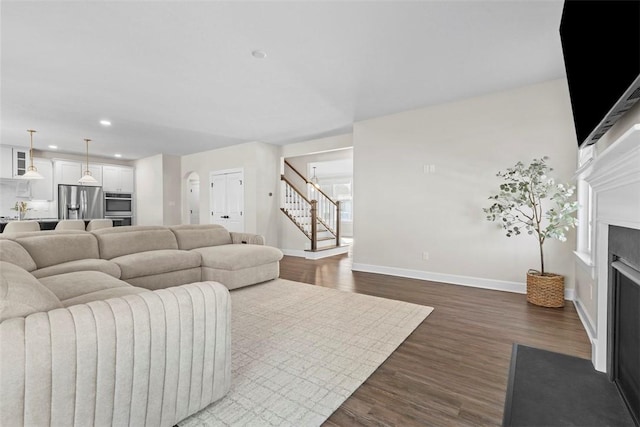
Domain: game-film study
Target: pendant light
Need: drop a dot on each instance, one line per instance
(86, 176)
(32, 172)
(314, 178)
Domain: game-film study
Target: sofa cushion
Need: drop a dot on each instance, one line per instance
(103, 295)
(71, 285)
(156, 262)
(167, 280)
(237, 257)
(103, 265)
(57, 248)
(119, 241)
(191, 236)
(22, 294)
(14, 253)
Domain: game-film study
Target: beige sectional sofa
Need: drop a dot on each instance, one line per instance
(115, 326)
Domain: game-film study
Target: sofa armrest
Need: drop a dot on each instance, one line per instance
(148, 359)
(246, 238)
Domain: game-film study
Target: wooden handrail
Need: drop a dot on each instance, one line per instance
(284, 178)
(304, 178)
(296, 171)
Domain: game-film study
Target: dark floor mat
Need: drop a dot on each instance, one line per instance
(552, 389)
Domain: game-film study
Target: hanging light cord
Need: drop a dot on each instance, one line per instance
(31, 167)
(87, 172)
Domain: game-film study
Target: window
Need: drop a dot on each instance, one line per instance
(339, 189)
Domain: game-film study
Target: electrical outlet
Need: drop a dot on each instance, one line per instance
(429, 168)
(425, 256)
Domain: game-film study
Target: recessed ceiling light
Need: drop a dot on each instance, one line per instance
(53, 147)
(258, 54)
(117, 155)
(105, 122)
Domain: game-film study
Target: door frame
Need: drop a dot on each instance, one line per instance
(193, 203)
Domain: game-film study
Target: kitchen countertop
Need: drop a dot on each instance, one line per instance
(45, 223)
(4, 220)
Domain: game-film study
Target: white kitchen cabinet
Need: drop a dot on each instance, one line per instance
(117, 179)
(42, 189)
(96, 172)
(6, 162)
(69, 172)
(21, 161)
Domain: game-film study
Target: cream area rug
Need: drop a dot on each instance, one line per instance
(299, 351)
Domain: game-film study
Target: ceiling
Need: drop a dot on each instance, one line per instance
(178, 77)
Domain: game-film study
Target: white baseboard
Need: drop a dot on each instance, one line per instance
(474, 282)
(293, 252)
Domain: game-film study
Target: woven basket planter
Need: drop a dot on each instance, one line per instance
(545, 291)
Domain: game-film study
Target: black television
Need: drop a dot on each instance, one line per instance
(601, 49)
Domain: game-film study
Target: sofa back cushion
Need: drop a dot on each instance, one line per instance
(21, 294)
(120, 241)
(14, 253)
(192, 236)
(56, 248)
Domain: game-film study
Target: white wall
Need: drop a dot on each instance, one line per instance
(401, 212)
(149, 191)
(260, 164)
(171, 189)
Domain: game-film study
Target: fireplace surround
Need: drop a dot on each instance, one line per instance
(613, 177)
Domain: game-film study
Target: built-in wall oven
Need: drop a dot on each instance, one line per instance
(119, 207)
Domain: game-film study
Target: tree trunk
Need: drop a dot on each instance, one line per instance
(541, 260)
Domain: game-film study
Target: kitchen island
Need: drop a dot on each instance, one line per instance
(48, 223)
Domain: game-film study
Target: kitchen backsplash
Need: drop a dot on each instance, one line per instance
(11, 191)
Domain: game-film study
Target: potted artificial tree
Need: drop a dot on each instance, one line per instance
(531, 201)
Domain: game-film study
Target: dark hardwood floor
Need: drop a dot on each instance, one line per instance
(452, 370)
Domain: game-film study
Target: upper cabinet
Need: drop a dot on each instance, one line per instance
(20, 161)
(117, 179)
(69, 172)
(42, 189)
(6, 162)
(14, 161)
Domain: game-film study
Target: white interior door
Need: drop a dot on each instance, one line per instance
(194, 202)
(227, 199)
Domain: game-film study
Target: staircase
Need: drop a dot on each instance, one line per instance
(312, 211)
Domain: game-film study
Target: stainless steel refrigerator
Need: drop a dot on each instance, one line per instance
(80, 202)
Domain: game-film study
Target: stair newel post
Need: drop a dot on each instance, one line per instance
(338, 223)
(314, 225)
